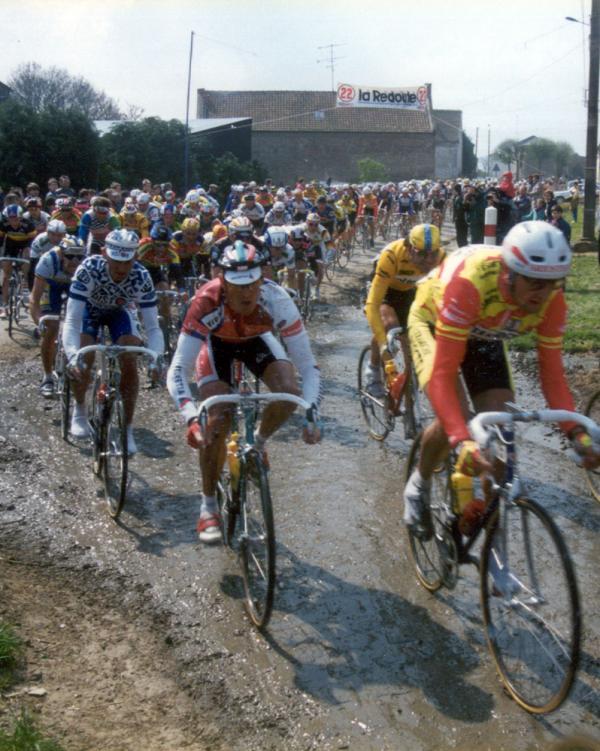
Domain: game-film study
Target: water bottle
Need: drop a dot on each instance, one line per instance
(463, 491)
(233, 460)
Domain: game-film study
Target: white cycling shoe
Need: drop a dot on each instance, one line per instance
(80, 427)
(417, 515)
(131, 444)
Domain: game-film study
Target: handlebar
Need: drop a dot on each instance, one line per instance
(478, 425)
(46, 318)
(168, 293)
(14, 260)
(240, 398)
(112, 351)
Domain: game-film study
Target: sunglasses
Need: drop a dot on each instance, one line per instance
(537, 285)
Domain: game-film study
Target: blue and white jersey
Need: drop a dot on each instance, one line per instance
(40, 245)
(93, 284)
(50, 269)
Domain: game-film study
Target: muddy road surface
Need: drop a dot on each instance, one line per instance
(357, 655)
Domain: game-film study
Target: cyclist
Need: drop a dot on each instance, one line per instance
(233, 318)
(400, 266)
(463, 312)
(34, 213)
(98, 221)
(406, 206)
(321, 246)
(253, 211)
(278, 216)
(103, 292)
(300, 207)
(133, 219)
(53, 274)
(157, 255)
(279, 254)
(326, 214)
(367, 211)
(16, 235)
(65, 213)
(188, 244)
(49, 239)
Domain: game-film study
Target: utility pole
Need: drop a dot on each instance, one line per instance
(488, 153)
(186, 138)
(591, 151)
(331, 61)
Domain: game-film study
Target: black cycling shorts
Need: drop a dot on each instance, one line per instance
(486, 366)
(400, 301)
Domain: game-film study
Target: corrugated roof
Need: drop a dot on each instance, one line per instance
(202, 125)
(308, 111)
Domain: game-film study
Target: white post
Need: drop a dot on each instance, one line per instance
(489, 229)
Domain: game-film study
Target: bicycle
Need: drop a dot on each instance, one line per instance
(63, 383)
(532, 629)
(402, 397)
(16, 296)
(592, 410)
(171, 326)
(106, 416)
(244, 498)
(365, 235)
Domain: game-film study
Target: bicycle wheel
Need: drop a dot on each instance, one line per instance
(115, 458)
(257, 540)
(97, 422)
(435, 559)
(165, 327)
(379, 419)
(530, 606)
(12, 303)
(229, 507)
(306, 303)
(364, 238)
(343, 255)
(64, 390)
(329, 264)
(593, 475)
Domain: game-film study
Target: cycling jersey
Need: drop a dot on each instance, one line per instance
(468, 296)
(50, 269)
(16, 239)
(40, 245)
(186, 247)
(209, 316)
(70, 218)
(40, 222)
(367, 205)
(395, 271)
(98, 225)
(135, 221)
(275, 219)
(153, 255)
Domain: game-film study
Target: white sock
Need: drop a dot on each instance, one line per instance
(419, 480)
(79, 410)
(208, 504)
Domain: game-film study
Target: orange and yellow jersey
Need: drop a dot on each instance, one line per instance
(395, 270)
(348, 207)
(469, 296)
(186, 246)
(136, 222)
(71, 219)
(311, 194)
(266, 200)
(153, 255)
(368, 205)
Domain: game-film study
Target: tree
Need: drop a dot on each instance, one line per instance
(508, 151)
(44, 88)
(563, 156)
(539, 151)
(469, 160)
(370, 170)
(44, 148)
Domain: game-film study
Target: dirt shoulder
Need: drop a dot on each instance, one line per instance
(107, 679)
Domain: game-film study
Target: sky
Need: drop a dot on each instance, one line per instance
(514, 68)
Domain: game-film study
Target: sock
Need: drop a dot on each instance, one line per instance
(79, 410)
(208, 504)
(419, 480)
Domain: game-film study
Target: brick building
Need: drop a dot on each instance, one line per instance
(303, 133)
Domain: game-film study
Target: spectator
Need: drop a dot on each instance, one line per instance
(506, 212)
(64, 187)
(52, 188)
(522, 203)
(460, 219)
(560, 223)
(474, 206)
(574, 201)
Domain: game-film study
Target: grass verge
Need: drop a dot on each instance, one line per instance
(583, 296)
(24, 736)
(11, 651)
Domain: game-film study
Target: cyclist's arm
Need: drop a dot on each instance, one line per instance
(377, 291)
(180, 373)
(72, 327)
(460, 311)
(84, 227)
(156, 341)
(39, 285)
(549, 346)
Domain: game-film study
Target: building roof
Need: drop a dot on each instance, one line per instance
(308, 111)
(203, 125)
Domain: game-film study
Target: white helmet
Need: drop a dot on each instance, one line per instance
(55, 225)
(276, 237)
(143, 198)
(537, 250)
(279, 206)
(192, 196)
(121, 244)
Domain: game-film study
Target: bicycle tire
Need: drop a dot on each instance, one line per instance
(97, 423)
(342, 256)
(522, 626)
(257, 540)
(365, 240)
(64, 390)
(430, 556)
(593, 475)
(329, 267)
(307, 300)
(228, 509)
(12, 304)
(165, 327)
(115, 464)
(378, 417)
